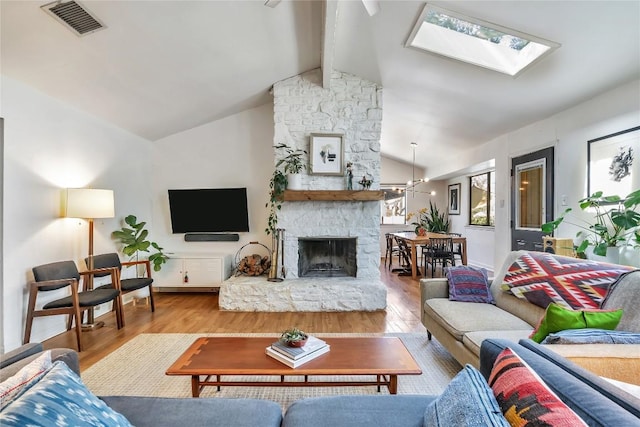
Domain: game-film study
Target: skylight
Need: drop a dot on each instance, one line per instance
(476, 42)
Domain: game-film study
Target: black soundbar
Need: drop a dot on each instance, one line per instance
(208, 237)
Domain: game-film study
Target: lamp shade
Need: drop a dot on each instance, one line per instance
(89, 203)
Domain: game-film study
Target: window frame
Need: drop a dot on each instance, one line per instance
(400, 188)
(490, 199)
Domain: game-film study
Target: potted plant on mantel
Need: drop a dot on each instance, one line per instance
(615, 224)
(292, 164)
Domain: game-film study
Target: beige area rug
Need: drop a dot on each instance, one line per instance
(137, 369)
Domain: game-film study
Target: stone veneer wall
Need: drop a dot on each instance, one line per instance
(352, 106)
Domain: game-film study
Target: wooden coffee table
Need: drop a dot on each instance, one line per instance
(209, 358)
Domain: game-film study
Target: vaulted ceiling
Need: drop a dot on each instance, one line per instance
(162, 67)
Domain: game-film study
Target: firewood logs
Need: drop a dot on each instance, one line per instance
(253, 265)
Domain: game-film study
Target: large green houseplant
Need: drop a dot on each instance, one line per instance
(614, 224)
(431, 220)
(134, 238)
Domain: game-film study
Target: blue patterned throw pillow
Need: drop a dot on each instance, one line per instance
(468, 401)
(60, 398)
(469, 284)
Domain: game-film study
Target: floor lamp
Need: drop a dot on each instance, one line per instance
(90, 203)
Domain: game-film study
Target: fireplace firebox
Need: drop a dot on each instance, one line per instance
(327, 257)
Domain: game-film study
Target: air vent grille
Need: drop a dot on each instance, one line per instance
(74, 16)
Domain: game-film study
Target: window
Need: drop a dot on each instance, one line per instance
(476, 42)
(482, 195)
(394, 206)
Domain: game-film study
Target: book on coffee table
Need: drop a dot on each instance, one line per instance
(294, 353)
(300, 361)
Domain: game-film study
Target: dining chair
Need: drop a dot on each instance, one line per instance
(58, 275)
(457, 248)
(438, 251)
(405, 254)
(391, 250)
(104, 262)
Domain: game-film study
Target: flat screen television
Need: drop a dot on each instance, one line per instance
(209, 210)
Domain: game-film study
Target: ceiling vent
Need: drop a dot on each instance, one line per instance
(73, 16)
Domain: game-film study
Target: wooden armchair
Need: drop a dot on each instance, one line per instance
(58, 275)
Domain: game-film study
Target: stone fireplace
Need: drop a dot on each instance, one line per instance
(327, 257)
(351, 106)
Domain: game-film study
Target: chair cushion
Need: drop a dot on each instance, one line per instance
(135, 283)
(558, 318)
(87, 299)
(467, 401)
(60, 396)
(469, 284)
(524, 398)
(128, 285)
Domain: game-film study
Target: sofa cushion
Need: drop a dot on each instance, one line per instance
(187, 412)
(24, 378)
(625, 294)
(524, 398)
(473, 340)
(592, 336)
(558, 318)
(60, 398)
(468, 284)
(358, 411)
(467, 401)
(459, 317)
(543, 278)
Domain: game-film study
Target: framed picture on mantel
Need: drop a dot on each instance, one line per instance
(326, 154)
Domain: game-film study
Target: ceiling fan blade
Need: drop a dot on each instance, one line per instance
(372, 6)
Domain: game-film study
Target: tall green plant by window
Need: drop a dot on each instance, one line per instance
(134, 239)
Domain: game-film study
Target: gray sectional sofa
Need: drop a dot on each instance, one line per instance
(596, 401)
(461, 327)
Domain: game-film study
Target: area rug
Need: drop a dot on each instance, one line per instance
(138, 369)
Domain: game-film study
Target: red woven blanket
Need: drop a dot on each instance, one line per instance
(543, 278)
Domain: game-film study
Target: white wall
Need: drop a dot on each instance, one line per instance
(50, 146)
(569, 132)
(236, 151)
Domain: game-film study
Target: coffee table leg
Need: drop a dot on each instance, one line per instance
(195, 385)
(393, 384)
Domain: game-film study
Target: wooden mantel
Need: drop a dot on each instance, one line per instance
(333, 195)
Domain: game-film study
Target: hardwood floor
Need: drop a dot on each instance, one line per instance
(199, 313)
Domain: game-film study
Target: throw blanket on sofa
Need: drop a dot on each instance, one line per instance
(543, 278)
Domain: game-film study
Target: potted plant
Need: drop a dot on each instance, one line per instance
(294, 337)
(614, 225)
(292, 164)
(134, 239)
(430, 220)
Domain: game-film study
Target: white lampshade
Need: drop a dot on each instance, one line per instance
(89, 203)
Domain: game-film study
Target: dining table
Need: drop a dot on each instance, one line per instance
(414, 240)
